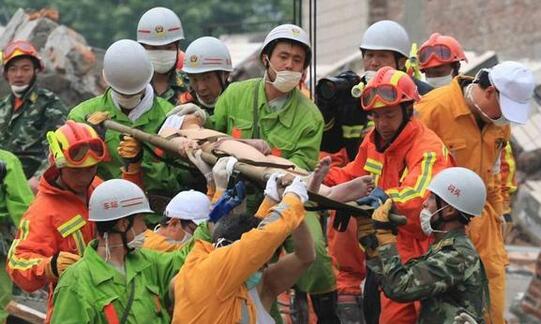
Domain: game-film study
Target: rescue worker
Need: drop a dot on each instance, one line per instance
(439, 59)
(449, 279)
(208, 64)
(186, 211)
(116, 281)
(272, 108)
(15, 197)
(29, 111)
(482, 108)
(402, 155)
(229, 281)
(160, 31)
(386, 43)
(55, 229)
(130, 101)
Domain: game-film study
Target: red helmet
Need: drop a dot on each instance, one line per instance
(76, 145)
(388, 87)
(20, 48)
(439, 50)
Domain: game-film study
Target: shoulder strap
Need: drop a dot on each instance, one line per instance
(255, 123)
(124, 318)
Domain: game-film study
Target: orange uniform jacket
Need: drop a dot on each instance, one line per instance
(56, 221)
(210, 286)
(404, 171)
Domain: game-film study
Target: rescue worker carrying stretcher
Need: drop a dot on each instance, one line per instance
(402, 155)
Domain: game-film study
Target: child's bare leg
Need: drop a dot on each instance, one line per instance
(316, 178)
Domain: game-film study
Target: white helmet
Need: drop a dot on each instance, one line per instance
(115, 199)
(126, 67)
(189, 205)
(159, 26)
(461, 188)
(386, 35)
(288, 31)
(207, 54)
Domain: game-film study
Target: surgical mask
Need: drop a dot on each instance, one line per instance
(127, 102)
(206, 104)
(438, 82)
(254, 279)
(186, 237)
(137, 241)
(368, 75)
(18, 90)
(162, 60)
(285, 81)
(500, 121)
(425, 216)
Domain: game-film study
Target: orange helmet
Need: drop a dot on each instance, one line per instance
(20, 48)
(76, 145)
(388, 87)
(439, 50)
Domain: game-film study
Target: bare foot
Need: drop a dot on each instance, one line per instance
(319, 174)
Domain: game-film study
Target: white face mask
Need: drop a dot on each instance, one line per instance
(438, 82)
(285, 81)
(425, 216)
(368, 75)
(186, 237)
(500, 121)
(18, 90)
(162, 60)
(138, 240)
(127, 102)
(206, 104)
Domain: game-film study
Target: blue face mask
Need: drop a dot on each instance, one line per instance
(254, 279)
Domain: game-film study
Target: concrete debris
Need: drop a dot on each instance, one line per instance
(72, 67)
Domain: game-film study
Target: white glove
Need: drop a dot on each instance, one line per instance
(464, 318)
(187, 109)
(271, 189)
(298, 187)
(204, 168)
(222, 170)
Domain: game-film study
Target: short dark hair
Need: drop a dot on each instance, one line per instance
(231, 227)
(270, 48)
(482, 79)
(108, 226)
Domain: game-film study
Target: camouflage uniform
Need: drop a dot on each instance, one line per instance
(23, 130)
(178, 85)
(448, 279)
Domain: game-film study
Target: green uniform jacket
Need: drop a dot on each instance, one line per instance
(157, 176)
(448, 279)
(15, 193)
(23, 131)
(295, 130)
(90, 284)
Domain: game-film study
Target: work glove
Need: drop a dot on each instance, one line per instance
(464, 318)
(271, 189)
(188, 109)
(298, 187)
(222, 170)
(374, 199)
(96, 119)
(202, 166)
(131, 152)
(385, 230)
(366, 235)
(58, 263)
(229, 200)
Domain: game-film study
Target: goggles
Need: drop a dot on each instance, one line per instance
(23, 47)
(387, 94)
(441, 52)
(77, 153)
